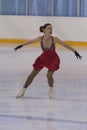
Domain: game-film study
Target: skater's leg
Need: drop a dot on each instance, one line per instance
(50, 82)
(50, 78)
(31, 77)
(27, 83)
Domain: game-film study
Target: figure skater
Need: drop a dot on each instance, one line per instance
(48, 58)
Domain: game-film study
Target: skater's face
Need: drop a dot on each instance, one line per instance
(48, 30)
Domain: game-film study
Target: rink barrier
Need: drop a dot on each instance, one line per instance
(21, 41)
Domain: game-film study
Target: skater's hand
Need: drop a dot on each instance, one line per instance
(77, 55)
(18, 47)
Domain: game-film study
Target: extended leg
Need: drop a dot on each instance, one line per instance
(31, 77)
(27, 83)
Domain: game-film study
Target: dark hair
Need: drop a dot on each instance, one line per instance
(44, 26)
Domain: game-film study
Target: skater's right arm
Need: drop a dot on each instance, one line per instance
(28, 42)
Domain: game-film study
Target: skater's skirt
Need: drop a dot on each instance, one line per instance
(49, 60)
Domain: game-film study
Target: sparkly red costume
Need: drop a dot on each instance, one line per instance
(48, 58)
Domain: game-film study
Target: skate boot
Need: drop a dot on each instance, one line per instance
(50, 92)
(20, 92)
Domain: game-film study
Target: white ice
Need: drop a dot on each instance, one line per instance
(67, 110)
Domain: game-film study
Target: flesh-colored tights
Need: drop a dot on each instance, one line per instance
(33, 75)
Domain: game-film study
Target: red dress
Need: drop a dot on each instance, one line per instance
(48, 58)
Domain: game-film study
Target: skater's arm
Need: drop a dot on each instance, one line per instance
(68, 47)
(32, 40)
(64, 44)
(28, 42)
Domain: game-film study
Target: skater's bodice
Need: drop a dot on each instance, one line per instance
(46, 48)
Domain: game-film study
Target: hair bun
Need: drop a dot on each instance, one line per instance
(41, 28)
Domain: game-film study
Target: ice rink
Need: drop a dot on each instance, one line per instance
(67, 110)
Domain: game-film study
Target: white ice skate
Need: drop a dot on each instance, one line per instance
(50, 92)
(20, 92)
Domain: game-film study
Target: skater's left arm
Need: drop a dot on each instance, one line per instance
(67, 46)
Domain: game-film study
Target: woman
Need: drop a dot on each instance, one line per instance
(48, 58)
